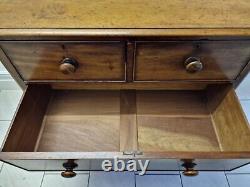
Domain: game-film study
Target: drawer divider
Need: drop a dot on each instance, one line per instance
(128, 121)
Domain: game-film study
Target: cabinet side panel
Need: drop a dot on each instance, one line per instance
(231, 125)
(28, 120)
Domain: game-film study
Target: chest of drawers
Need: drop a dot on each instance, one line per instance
(127, 79)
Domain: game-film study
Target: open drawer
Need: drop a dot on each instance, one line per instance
(205, 129)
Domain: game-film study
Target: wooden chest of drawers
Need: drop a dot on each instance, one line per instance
(128, 80)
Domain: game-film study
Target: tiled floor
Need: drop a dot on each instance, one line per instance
(14, 177)
(51, 179)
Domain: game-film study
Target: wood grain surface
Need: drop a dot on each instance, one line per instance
(128, 121)
(174, 121)
(27, 122)
(231, 125)
(82, 121)
(161, 61)
(41, 60)
(124, 14)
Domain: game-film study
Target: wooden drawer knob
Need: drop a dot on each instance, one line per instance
(190, 172)
(68, 174)
(193, 65)
(189, 168)
(68, 66)
(69, 167)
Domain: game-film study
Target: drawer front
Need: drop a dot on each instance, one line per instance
(154, 164)
(95, 61)
(164, 61)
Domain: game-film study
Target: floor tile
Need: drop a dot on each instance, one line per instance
(160, 172)
(111, 179)
(9, 100)
(243, 169)
(206, 179)
(55, 179)
(2, 69)
(1, 165)
(246, 107)
(239, 180)
(158, 181)
(4, 126)
(243, 90)
(7, 83)
(11, 176)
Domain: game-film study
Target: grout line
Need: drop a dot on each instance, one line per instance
(181, 179)
(88, 179)
(42, 179)
(1, 167)
(135, 179)
(227, 179)
(238, 173)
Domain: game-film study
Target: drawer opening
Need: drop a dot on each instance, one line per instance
(209, 120)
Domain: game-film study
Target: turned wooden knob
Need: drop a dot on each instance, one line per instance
(193, 65)
(69, 166)
(68, 66)
(68, 174)
(190, 172)
(189, 165)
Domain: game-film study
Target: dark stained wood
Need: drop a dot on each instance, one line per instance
(242, 75)
(11, 69)
(28, 119)
(171, 85)
(128, 121)
(217, 63)
(97, 61)
(161, 61)
(130, 61)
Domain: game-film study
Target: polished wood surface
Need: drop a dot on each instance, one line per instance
(130, 58)
(171, 85)
(11, 69)
(118, 61)
(125, 14)
(41, 60)
(129, 94)
(161, 61)
(124, 34)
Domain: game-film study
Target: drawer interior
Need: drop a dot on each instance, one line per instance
(175, 121)
(51, 120)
